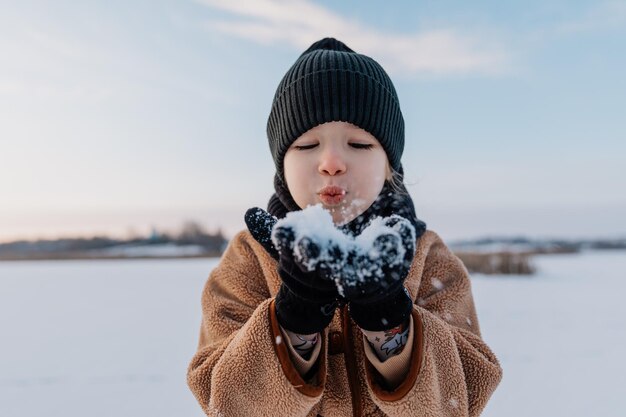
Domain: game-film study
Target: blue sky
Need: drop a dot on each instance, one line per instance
(119, 116)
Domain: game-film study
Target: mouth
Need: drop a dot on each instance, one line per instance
(331, 195)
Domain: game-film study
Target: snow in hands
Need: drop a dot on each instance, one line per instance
(351, 262)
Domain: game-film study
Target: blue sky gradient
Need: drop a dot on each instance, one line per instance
(119, 117)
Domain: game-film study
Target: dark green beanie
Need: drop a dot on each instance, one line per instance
(330, 82)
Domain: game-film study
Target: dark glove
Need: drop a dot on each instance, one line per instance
(373, 280)
(260, 224)
(307, 297)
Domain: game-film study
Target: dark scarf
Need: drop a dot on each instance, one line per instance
(388, 202)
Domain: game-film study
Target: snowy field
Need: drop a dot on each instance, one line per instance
(113, 338)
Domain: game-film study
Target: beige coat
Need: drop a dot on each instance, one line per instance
(242, 366)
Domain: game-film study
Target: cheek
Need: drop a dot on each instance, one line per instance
(290, 170)
(371, 179)
(296, 179)
(377, 172)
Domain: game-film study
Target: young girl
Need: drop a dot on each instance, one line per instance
(279, 338)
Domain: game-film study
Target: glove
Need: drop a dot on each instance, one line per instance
(373, 279)
(260, 224)
(307, 297)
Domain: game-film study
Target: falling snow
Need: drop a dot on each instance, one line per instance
(437, 283)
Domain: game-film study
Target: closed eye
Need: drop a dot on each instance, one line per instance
(361, 145)
(305, 147)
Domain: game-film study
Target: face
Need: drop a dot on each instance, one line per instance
(339, 165)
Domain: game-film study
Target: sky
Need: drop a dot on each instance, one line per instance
(120, 117)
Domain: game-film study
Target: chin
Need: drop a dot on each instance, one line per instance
(339, 218)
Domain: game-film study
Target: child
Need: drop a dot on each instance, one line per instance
(279, 337)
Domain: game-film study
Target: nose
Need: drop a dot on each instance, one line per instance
(331, 162)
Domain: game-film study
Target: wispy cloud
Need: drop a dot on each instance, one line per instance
(602, 16)
(300, 22)
(42, 64)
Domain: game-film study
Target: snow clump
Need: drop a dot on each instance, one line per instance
(317, 243)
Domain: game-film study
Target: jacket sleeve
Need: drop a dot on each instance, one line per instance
(452, 371)
(241, 367)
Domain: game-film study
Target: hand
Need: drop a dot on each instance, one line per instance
(307, 297)
(260, 224)
(373, 279)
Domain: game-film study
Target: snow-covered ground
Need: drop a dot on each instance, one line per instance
(161, 249)
(99, 338)
(560, 336)
(113, 338)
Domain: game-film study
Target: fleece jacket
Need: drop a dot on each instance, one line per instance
(242, 366)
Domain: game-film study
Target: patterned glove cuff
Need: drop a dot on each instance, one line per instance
(384, 314)
(303, 316)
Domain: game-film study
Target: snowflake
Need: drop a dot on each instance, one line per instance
(437, 283)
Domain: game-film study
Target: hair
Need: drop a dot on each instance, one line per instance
(396, 181)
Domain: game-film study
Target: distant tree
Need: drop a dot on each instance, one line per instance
(191, 230)
(192, 233)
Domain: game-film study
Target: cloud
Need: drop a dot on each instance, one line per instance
(299, 23)
(603, 16)
(599, 17)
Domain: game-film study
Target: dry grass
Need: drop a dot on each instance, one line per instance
(497, 263)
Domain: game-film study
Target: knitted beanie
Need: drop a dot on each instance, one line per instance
(330, 82)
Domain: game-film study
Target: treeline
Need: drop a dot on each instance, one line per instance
(513, 255)
(490, 255)
(191, 233)
(537, 246)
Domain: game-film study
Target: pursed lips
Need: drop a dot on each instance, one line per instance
(332, 194)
